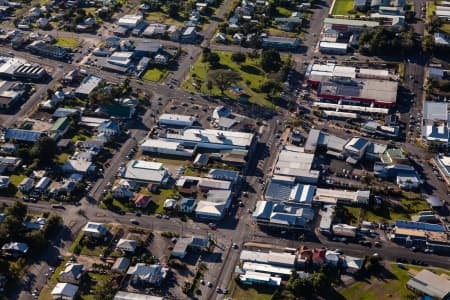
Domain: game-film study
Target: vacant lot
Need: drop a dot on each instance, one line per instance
(155, 75)
(247, 292)
(341, 7)
(70, 43)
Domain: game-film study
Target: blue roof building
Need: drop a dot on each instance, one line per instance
(22, 135)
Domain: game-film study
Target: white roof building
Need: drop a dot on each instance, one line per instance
(272, 258)
(130, 21)
(293, 161)
(127, 245)
(145, 171)
(64, 291)
(215, 205)
(251, 277)
(332, 196)
(431, 284)
(163, 147)
(269, 269)
(213, 139)
(176, 120)
(95, 229)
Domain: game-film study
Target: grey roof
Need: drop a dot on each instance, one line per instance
(133, 296)
(121, 264)
(435, 111)
(278, 191)
(151, 47)
(88, 84)
(22, 135)
(434, 201)
(223, 174)
(419, 226)
(430, 284)
(64, 112)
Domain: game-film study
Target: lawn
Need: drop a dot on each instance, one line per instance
(67, 42)
(341, 7)
(373, 288)
(159, 198)
(354, 212)
(80, 137)
(76, 242)
(61, 158)
(162, 17)
(246, 292)
(252, 77)
(16, 180)
(445, 28)
(155, 75)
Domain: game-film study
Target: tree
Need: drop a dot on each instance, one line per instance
(105, 290)
(238, 57)
(271, 60)
(173, 9)
(52, 226)
(209, 85)
(44, 149)
(213, 60)
(271, 88)
(428, 43)
(223, 79)
(18, 210)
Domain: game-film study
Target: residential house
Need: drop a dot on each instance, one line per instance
(15, 249)
(126, 245)
(141, 200)
(9, 163)
(60, 127)
(71, 273)
(26, 185)
(183, 245)
(111, 128)
(143, 274)
(95, 229)
(215, 206)
(186, 205)
(121, 265)
(64, 291)
(4, 182)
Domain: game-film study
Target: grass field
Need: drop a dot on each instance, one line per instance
(158, 199)
(392, 287)
(155, 75)
(341, 7)
(247, 292)
(70, 43)
(252, 78)
(445, 28)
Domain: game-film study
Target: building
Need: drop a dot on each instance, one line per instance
(442, 163)
(408, 181)
(133, 296)
(184, 244)
(43, 49)
(110, 128)
(355, 149)
(15, 249)
(279, 259)
(332, 196)
(147, 49)
(326, 221)
(430, 284)
(294, 162)
(366, 92)
(130, 21)
(268, 269)
(78, 165)
(393, 156)
(9, 163)
(72, 273)
(10, 94)
(42, 185)
(285, 191)
(60, 127)
(333, 47)
(121, 265)
(435, 123)
(252, 277)
(349, 25)
(220, 174)
(88, 85)
(121, 59)
(280, 42)
(64, 291)
(22, 135)
(95, 229)
(145, 172)
(161, 147)
(344, 230)
(26, 185)
(189, 35)
(126, 245)
(176, 120)
(360, 5)
(213, 139)
(215, 206)
(142, 274)
(284, 215)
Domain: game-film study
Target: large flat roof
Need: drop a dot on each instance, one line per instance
(430, 284)
(436, 111)
(350, 22)
(211, 136)
(88, 84)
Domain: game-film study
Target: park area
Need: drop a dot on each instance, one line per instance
(342, 7)
(245, 89)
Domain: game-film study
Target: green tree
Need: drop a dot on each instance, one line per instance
(223, 79)
(52, 226)
(238, 57)
(213, 60)
(18, 210)
(36, 241)
(271, 60)
(428, 43)
(44, 149)
(105, 290)
(173, 9)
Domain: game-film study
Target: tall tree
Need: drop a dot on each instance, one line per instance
(238, 57)
(44, 149)
(271, 60)
(223, 79)
(105, 290)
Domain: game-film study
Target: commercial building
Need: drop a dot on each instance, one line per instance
(430, 284)
(130, 21)
(442, 163)
(284, 215)
(435, 122)
(349, 25)
(121, 58)
(332, 196)
(176, 120)
(252, 277)
(294, 162)
(88, 85)
(280, 42)
(333, 48)
(327, 218)
(268, 269)
(189, 35)
(145, 172)
(213, 139)
(133, 296)
(287, 191)
(22, 135)
(29, 71)
(285, 260)
(183, 245)
(344, 90)
(355, 149)
(10, 94)
(161, 147)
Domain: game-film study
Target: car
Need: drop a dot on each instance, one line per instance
(378, 244)
(225, 291)
(159, 216)
(209, 284)
(166, 217)
(234, 246)
(218, 290)
(60, 257)
(413, 249)
(134, 221)
(241, 204)
(137, 214)
(338, 251)
(202, 282)
(212, 226)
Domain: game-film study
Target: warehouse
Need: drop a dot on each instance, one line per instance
(332, 196)
(269, 269)
(176, 120)
(89, 84)
(333, 48)
(161, 147)
(293, 161)
(285, 260)
(430, 284)
(349, 25)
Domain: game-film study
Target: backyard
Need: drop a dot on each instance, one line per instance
(252, 77)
